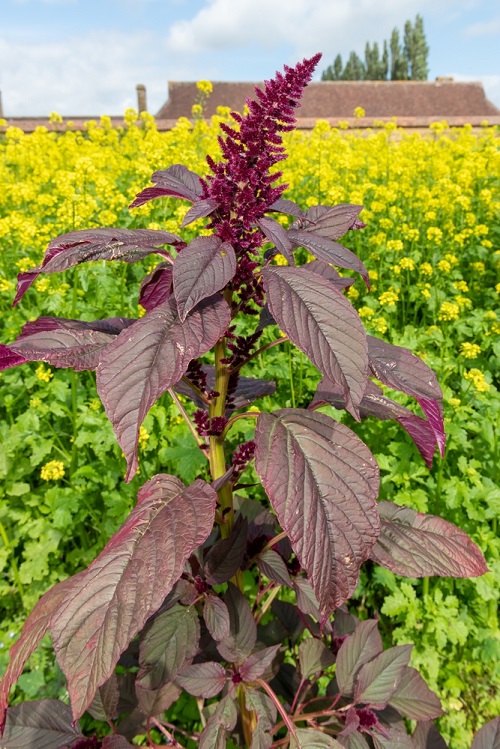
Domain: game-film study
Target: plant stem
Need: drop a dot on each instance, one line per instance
(286, 719)
(233, 419)
(248, 717)
(265, 606)
(217, 453)
(290, 371)
(185, 416)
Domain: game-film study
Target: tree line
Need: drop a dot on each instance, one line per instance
(400, 60)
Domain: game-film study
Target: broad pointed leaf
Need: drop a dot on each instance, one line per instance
(394, 739)
(255, 665)
(289, 617)
(248, 389)
(329, 251)
(488, 737)
(226, 556)
(155, 701)
(205, 266)
(314, 657)
(177, 181)
(263, 706)
(216, 617)
(414, 699)
(323, 324)
(219, 725)
(84, 246)
(115, 742)
(142, 363)
(278, 235)
(167, 645)
(417, 545)
(426, 736)
(44, 724)
(202, 679)
(359, 648)
(307, 602)
(312, 739)
(261, 739)
(283, 205)
(200, 209)
(354, 741)
(328, 272)
(271, 564)
(111, 601)
(105, 703)
(378, 680)
(34, 629)
(401, 370)
(156, 287)
(243, 630)
(331, 221)
(9, 358)
(322, 482)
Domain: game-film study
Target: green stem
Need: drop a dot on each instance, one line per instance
(13, 562)
(425, 586)
(192, 429)
(290, 371)
(217, 454)
(233, 419)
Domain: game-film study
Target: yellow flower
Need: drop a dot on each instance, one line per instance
(426, 293)
(396, 269)
(380, 325)
(490, 315)
(45, 375)
(196, 110)
(497, 288)
(42, 284)
(52, 471)
(386, 224)
(463, 302)
(449, 311)
(407, 263)
(280, 260)
(452, 259)
(478, 380)
(6, 285)
(395, 244)
(426, 269)
(479, 266)
(95, 404)
(434, 234)
(460, 286)
(454, 402)
(373, 275)
(470, 350)
(365, 312)
(35, 402)
(143, 437)
(359, 112)
(352, 293)
(389, 298)
(55, 117)
(205, 87)
(444, 266)
(25, 263)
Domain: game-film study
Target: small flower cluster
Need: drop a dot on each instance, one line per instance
(207, 427)
(470, 350)
(478, 380)
(52, 471)
(242, 456)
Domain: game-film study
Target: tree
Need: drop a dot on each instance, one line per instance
(354, 69)
(399, 66)
(333, 72)
(417, 63)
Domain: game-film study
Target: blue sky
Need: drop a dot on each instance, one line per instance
(84, 57)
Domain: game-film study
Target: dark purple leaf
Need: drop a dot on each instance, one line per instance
(202, 679)
(261, 739)
(167, 645)
(177, 181)
(359, 648)
(283, 205)
(223, 480)
(265, 318)
(308, 737)
(115, 742)
(88, 245)
(289, 618)
(379, 679)
(426, 736)
(200, 209)
(155, 701)
(9, 358)
(204, 267)
(401, 370)
(329, 251)
(331, 221)
(307, 602)
(226, 556)
(278, 235)
(105, 703)
(314, 657)
(254, 666)
(263, 706)
(488, 737)
(374, 403)
(216, 617)
(34, 629)
(68, 343)
(219, 725)
(243, 630)
(271, 564)
(111, 601)
(156, 287)
(143, 362)
(326, 271)
(353, 741)
(322, 482)
(417, 545)
(414, 699)
(323, 324)
(395, 739)
(44, 724)
(247, 390)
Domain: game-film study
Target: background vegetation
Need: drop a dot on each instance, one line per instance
(432, 245)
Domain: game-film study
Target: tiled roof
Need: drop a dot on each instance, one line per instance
(379, 99)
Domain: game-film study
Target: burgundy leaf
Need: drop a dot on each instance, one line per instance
(263, 706)
(167, 645)
(226, 556)
(314, 657)
(329, 251)
(202, 679)
(374, 403)
(155, 701)
(111, 601)
(488, 737)
(200, 209)
(115, 742)
(283, 205)
(261, 739)
(426, 736)
(354, 741)
(379, 679)
(328, 272)
(219, 725)
(359, 648)
(156, 287)
(9, 358)
(44, 724)
(417, 545)
(331, 221)
(323, 324)
(265, 318)
(177, 181)
(289, 617)
(84, 246)
(34, 629)
(243, 630)
(205, 266)
(278, 235)
(105, 703)
(414, 699)
(307, 602)
(254, 666)
(271, 564)
(142, 363)
(322, 482)
(401, 370)
(308, 737)
(395, 739)
(216, 617)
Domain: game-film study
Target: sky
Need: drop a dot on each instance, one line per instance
(85, 57)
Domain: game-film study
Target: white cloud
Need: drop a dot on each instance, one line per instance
(484, 28)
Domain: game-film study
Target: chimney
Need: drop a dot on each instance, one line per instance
(141, 98)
